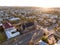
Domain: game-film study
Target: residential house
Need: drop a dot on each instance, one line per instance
(51, 39)
(14, 19)
(1, 24)
(58, 42)
(10, 30)
(26, 27)
(1, 19)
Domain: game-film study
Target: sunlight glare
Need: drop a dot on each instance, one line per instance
(38, 3)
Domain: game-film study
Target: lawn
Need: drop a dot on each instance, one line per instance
(2, 37)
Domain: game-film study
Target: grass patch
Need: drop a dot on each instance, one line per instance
(44, 39)
(2, 37)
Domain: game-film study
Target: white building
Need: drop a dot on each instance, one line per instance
(14, 19)
(10, 31)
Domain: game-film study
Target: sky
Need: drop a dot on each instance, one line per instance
(38, 3)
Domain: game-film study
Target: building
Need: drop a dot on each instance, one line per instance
(10, 30)
(51, 39)
(1, 19)
(13, 19)
(27, 26)
(58, 42)
(0, 24)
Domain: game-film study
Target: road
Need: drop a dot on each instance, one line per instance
(24, 39)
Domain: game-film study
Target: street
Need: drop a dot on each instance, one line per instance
(25, 38)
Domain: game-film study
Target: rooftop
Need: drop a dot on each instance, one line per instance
(7, 25)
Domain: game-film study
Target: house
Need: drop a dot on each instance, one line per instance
(14, 19)
(10, 30)
(0, 24)
(1, 19)
(26, 27)
(51, 39)
(58, 42)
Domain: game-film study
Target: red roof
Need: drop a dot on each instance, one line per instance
(7, 25)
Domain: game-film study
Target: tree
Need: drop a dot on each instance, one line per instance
(1, 29)
(44, 39)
